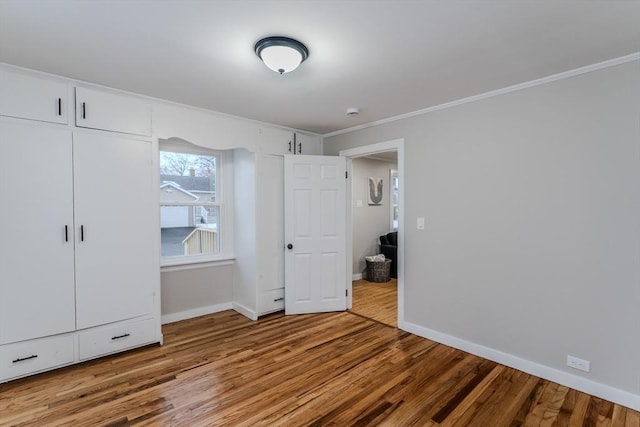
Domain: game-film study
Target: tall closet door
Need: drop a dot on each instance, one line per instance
(114, 220)
(36, 224)
(270, 231)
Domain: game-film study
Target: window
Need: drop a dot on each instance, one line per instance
(190, 203)
(393, 175)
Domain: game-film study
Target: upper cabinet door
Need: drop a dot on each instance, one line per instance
(112, 112)
(307, 144)
(30, 97)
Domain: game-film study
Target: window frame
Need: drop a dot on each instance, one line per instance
(224, 202)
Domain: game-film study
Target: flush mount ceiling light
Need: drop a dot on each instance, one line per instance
(281, 54)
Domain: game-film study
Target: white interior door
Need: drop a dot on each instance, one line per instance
(315, 220)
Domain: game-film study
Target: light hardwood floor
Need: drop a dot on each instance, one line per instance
(377, 301)
(337, 369)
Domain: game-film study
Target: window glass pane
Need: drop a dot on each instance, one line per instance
(394, 200)
(187, 177)
(189, 230)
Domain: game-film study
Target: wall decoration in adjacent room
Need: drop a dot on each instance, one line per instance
(374, 195)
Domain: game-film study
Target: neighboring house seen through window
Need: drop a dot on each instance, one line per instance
(190, 203)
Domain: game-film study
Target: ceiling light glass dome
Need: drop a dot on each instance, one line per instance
(281, 54)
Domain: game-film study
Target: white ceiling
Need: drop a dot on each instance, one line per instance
(387, 57)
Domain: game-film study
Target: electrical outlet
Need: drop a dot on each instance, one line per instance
(580, 364)
(420, 223)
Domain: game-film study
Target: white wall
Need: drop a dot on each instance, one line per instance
(369, 222)
(195, 292)
(531, 249)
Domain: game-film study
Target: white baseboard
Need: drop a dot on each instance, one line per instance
(357, 276)
(244, 311)
(603, 391)
(195, 312)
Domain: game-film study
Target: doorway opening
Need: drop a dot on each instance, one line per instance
(370, 219)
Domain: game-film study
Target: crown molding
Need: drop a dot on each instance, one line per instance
(508, 89)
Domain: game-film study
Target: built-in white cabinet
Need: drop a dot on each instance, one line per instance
(79, 253)
(114, 112)
(79, 223)
(309, 144)
(301, 143)
(258, 282)
(26, 357)
(114, 207)
(32, 98)
(36, 249)
(270, 230)
(115, 337)
(270, 300)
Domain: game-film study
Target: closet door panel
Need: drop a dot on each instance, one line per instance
(271, 228)
(36, 220)
(114, 211)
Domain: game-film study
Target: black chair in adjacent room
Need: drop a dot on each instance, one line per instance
(389, 247)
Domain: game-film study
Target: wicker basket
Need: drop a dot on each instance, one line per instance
(378, 271)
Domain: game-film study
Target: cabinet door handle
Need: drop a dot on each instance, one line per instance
(118, 337)
(84, 110)
(82, 233)
(59, 106)
(66, 233)
(22, 359)
(299, 147)
(278, 299)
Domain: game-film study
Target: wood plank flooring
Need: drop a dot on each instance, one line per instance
(337, 369)
(377, 301)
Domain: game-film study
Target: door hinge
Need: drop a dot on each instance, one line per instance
(346, 174)
(346, 292)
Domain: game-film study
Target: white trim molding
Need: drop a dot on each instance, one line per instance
(366, 150)
(357, 276)
(182, 264)
(603, 391)
(514, 88)
(244, 311)
(195, 312)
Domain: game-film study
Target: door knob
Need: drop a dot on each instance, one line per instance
(289, 246)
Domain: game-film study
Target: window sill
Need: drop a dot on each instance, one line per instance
(191, 263)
